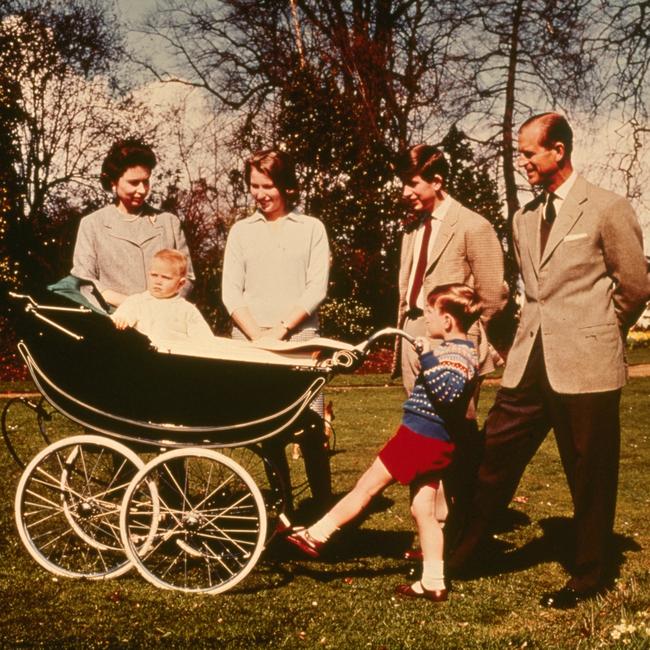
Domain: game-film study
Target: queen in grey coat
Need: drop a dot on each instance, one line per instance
(115, 244)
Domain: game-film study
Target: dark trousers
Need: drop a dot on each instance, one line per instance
(315, 452)
(587, 432)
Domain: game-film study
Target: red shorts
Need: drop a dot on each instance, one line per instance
(409, 456)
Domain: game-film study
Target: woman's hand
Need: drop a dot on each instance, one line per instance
(114, 298)
(276, 333)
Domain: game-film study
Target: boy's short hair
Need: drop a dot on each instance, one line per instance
(422, 160)
(175, 258)
(457, 300)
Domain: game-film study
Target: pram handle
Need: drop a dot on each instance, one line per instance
(387, 331)
(34, 308)
(349, 360)
(32, 304)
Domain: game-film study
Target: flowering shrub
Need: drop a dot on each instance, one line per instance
(345, 319)
(378, 361)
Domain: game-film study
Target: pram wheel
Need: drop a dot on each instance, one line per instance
(20, 417)
(67, 506)
(209, 519)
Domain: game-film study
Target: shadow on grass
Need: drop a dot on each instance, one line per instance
(555, 545)
(353, 553)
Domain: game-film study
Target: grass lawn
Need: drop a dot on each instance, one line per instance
(344, 599)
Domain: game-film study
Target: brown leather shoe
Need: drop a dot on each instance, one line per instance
(430, 594)
(305, 542)
(414, 554)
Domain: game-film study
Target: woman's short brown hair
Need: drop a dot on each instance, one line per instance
(280, 168)
(123, 155)
(422, 160)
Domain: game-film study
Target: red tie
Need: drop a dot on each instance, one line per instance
(418, 278)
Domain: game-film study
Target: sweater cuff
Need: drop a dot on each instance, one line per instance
(429, 360)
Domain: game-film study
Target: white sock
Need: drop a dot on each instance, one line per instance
(323, 529)
(433, 575)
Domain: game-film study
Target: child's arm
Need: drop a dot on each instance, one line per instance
(125, 315)
(197, 327)
(446, 376)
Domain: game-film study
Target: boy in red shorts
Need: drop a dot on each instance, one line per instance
(418, 454)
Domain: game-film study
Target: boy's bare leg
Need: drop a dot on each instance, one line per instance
(429, 509)
(373, 481)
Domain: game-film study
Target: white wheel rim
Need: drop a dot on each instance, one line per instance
(197, 540)
(52, 529)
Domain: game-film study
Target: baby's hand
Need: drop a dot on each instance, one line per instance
(422, 345)
(121, 323)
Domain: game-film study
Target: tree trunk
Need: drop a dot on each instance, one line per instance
(508, 148)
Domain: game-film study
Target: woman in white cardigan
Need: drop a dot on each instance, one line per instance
(116, 243)
(275, 275)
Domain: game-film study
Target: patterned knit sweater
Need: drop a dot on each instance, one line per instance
(442, 390)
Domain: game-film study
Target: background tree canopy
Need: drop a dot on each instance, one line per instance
(341, 84)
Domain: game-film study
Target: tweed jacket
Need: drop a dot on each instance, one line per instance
(115, 253)
(466, 250)
(589, 286)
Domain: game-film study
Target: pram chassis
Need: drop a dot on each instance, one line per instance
(190, 519)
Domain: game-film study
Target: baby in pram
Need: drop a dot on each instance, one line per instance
(174, 325)
(161, 313)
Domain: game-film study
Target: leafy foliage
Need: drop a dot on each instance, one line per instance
(58, 113)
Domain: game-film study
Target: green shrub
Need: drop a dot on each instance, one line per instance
(346, 319)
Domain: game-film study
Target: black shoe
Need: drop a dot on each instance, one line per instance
(566, 598)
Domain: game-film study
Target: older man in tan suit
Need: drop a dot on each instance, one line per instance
(447, 243)
(580, 252)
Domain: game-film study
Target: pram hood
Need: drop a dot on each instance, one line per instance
(117, 383)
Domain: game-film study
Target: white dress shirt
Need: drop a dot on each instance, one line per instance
(437, 217)
(560, 193)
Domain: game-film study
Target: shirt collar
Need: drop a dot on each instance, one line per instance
(563, 190)
(259, 216)
(442, 208)
(440, 212)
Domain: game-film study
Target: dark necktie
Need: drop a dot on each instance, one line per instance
(547, 221)
(418, 278)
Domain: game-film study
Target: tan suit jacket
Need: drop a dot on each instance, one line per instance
(466, 250)
(588, 288)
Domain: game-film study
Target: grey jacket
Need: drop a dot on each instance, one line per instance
(115, 253)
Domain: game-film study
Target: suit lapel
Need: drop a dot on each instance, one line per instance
(570, 212)
(532, 219)
(445, 233)
(407, 253)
